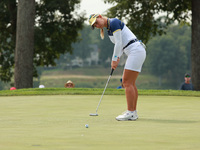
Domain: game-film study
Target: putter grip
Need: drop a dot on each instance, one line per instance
(112, 71)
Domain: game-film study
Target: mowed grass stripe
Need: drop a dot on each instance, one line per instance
(58, 122)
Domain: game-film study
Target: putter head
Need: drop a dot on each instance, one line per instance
(93, 114)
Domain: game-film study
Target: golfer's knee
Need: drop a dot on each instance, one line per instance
(126, 84)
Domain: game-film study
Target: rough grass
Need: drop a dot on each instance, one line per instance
(94, 77)
(93, 91)
(97, 81)
(57, 122)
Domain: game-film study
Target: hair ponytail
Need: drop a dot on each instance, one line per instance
(102, 33)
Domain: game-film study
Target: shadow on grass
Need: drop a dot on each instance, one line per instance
(167, 121)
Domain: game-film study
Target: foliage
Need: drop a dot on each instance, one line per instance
(168, 55)
(8, 11)
(106, 47)
(142, 15)
(56, 27)
(82, 48)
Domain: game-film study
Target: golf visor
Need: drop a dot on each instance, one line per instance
(92, 19)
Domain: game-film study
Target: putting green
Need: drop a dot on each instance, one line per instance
(58, 123)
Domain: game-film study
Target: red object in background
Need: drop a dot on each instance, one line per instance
(12, 88)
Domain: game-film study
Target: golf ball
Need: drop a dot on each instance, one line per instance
(86, 125)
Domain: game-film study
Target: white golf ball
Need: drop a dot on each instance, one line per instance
(86, 125)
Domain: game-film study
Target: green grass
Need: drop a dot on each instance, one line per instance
(93, 91)
(92, 70)
(57, 122)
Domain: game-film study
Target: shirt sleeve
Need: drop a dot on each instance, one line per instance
(118, 45)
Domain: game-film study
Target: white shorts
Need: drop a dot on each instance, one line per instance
(136, 56)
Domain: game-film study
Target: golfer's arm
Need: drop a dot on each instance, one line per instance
(118, 45)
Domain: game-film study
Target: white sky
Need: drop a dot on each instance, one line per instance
(94, 6)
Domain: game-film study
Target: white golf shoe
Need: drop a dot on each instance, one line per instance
(128, 116)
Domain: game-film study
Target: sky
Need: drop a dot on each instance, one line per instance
(94, 6)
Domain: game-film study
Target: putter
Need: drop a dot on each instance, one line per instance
(96, 114)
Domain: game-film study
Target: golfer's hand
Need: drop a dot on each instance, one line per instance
(114, 64)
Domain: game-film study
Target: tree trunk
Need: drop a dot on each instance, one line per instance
(195, 49)
(24, 44)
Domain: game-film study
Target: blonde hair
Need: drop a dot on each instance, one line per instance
(102, 33)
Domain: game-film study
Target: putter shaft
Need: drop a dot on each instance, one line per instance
(103, 93)
(104, 89)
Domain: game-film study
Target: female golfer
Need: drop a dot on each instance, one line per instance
(125, 41)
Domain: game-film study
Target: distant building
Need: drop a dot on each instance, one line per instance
(77, 62)
(122, 60)
(94, 56)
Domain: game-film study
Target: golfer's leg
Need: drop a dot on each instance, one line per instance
(136, 96)
(129, 78)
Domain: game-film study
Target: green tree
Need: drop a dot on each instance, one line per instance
(106, 48)
(82, 48)
(56, 28)
(105, 45)
(140, 16)
(8, 16)
(167, 56)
